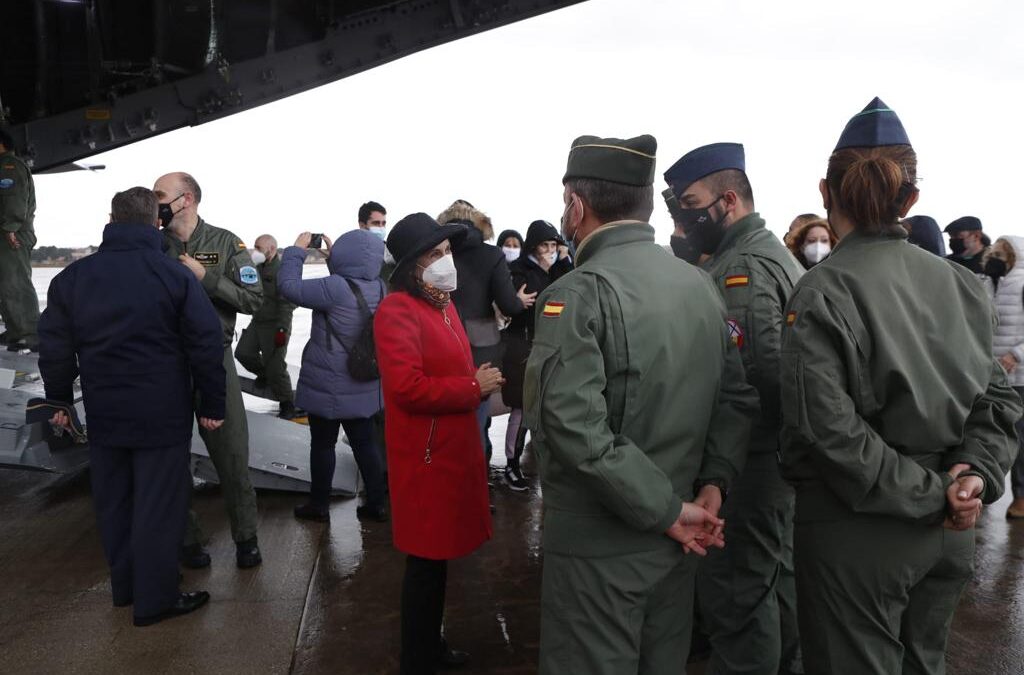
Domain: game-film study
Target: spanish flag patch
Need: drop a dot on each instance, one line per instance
(791, 318)
(737, 280)
(553, 309)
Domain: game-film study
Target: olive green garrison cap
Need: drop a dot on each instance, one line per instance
(627, 161)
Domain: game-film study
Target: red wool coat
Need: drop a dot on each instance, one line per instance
(440, 508)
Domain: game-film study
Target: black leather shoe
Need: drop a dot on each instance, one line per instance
(186, 602)
(376, 513)
(194, 557)
(451, 658)
(314, 513)
(247, 554)
(286, 410)
(5, 337)
(22, 345)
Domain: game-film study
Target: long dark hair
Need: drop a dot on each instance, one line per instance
(404, 279)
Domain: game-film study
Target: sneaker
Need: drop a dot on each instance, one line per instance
(514, 479)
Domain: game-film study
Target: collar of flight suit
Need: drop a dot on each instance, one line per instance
(859, 238)
(742, 227)
(613, 234)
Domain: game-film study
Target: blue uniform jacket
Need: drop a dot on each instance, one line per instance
(141, 331)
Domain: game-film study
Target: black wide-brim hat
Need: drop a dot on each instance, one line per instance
(416, 234)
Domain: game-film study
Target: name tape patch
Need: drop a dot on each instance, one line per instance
(737, 280)
(208, 259)
(553, 309)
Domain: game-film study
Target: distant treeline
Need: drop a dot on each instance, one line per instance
(57, 255)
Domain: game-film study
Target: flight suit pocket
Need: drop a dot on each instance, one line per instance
(792, 389)
(539, 369)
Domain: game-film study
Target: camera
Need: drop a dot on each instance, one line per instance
(317, 241)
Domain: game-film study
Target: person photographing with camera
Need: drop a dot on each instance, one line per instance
(338, 384)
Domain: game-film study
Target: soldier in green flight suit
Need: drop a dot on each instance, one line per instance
(264, 343)
(746, 592)
(17, 214)
(636, 400)
(225, 269)
(896, 421)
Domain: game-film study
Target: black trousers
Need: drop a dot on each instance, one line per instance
(422, 612)
(141, 498)
(323, 434)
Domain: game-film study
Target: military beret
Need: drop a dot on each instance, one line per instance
(964, 224)
(875, 126)
(627, 161)
(704, 161)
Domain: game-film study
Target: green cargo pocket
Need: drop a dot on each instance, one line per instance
(539, 369)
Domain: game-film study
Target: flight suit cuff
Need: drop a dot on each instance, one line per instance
(671, 516)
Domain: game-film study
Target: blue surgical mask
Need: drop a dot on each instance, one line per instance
(379, 231)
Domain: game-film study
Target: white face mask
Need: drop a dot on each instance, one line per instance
(816, 252)
(511, 253)
(379, 231)
(441, 274)
(257, 257)
(388, 258)
(552, 257)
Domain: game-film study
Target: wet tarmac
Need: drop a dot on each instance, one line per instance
(326, 598)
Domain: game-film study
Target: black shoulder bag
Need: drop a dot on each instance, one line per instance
(362, 354)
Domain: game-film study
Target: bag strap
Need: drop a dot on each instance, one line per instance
(360, 299)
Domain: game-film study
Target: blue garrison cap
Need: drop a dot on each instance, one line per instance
(873, 127)
(704, 161)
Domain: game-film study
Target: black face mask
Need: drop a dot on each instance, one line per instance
(957, 246)
(995, 268)
(683, 250)
(702, 231)
(166, 215)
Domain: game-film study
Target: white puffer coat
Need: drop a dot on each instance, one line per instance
(1009, 303)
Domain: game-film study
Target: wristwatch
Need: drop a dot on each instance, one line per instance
(717, 482)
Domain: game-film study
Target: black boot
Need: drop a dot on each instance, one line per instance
(247, 554)
(286, 410)
(194, 557)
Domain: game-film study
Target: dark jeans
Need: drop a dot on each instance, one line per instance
(322, 458)
(141, 500)
(422, 612)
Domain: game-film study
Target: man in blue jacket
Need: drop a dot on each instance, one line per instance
(142, 333)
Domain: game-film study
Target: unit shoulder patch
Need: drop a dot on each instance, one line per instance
(6, 183)
(553, 309)
(207, 259)
(248, 275)
(735, 333)
(737, 280)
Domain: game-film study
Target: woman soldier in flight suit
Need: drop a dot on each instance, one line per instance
(897, 421)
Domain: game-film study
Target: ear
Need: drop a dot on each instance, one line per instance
(731, 199)
(826, 196)
(909, 204)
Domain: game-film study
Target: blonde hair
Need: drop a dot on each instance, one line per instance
(1002, 245)
(462, 210)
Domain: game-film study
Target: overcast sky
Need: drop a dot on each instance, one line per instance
(490, 118)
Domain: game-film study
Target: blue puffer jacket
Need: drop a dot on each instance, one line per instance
(325, 387)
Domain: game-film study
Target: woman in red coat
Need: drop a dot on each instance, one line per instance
(438, 481)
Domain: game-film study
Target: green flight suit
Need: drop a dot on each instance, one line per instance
(746, 591)
(17, 214)
(633, 391)
(233, 285)
(257, 349)
(887, 381)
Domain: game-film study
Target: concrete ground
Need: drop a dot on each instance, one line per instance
(326, 597)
